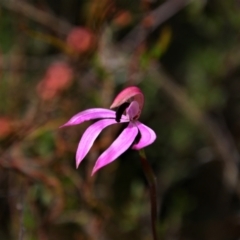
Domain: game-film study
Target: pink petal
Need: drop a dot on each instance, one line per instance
(89, 137)
(148, 136)
(127, 94)
(120, 145)
(90, 114)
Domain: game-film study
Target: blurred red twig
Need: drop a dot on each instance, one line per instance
(36, 173)
(150, 22)
(49, 20)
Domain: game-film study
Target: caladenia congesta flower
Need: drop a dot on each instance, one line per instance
(136, 135)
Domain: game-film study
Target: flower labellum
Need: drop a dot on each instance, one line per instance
(130, 102)
(131, 93)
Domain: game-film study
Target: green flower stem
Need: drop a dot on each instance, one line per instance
(152, 190)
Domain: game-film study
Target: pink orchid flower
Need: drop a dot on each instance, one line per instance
(130, 102)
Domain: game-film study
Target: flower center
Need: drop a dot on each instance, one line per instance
(120, 111)
(133, 111)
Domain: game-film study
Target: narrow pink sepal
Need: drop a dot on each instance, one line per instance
(131, 92)
(91, 114)
(119, 146)
(148, 136)
(89, 137)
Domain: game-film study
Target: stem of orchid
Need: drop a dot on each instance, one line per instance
(152, 190)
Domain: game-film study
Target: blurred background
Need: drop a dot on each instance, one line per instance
(58, 58)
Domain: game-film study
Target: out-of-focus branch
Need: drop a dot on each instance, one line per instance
(21, 222)
(155, 18)
(33, 172)
(28, 63)
(39, 16)
(220, 139)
